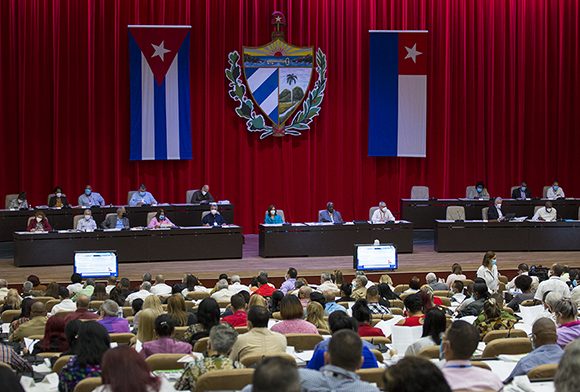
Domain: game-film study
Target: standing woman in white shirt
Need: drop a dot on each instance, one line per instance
(488, 272)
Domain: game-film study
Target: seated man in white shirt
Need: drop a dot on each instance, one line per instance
(523, 269)
(111, 284)
(76, 284)
(383, 214)
(326, 283)
(553, 284)
(555, 192)
(237, 285)
(144, 292)
(66, 304)
(222, 291)
(546, 213)
(160, 288)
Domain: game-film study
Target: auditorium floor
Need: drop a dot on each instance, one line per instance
(423, 260)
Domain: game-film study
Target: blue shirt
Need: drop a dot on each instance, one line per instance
(273, 219)
(119, 224)
(317, 360)
(147, 199)
(333, 307)
(543, 355)
(94, 199)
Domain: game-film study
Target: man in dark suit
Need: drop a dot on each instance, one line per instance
(202, 196)
(522, 192)
(495, 212)
(330, 214)
(119, 221)
(214, 218)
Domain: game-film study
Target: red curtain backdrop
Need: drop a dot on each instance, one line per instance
(503, 102)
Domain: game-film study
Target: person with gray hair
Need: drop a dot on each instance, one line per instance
(566, 379)
(221, 340)
(237, 285)
(360, 287)
(326, 283)
(222, 293)
(147, 277)
(495, 213)
(435, 284)
(110, 318)
(160, 287)
(214, 218)
(3, 289)
(27, 289)
(87, 290)
(382, 214)
(117, 221)
(566, 312)
(144, 292)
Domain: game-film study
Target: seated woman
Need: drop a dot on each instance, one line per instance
(160, 220)
(146, 330)
(39, 223)
(121, 361)
(176, 310)
(54, 339)
(151, 302)
(93, 342)
(315, 315)
(12, 301)
(221, 340)
(362, 314)
(272, 217)
(20, 203)
(208, 316)
(566, 312)
(346, 293)
(58, 199)
(456, 274)
(165, 344)
(100, 293)
(414, 311)
(386, 293)
(433, 328)
(110, 320)
(292, 315)
(493, 318)
(475, 306)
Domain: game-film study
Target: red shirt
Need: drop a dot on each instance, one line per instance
(238, 319)
(366, 330)
(81, 314)
(413, 321)
(437, 301)
(265, 290)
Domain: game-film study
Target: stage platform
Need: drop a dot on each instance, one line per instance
(424, 259)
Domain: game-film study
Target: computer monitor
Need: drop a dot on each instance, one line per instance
(96, 264)
(375, 257)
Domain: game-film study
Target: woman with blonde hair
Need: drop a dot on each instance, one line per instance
(12, 301)
(257, 300)
(386, 279)
(315, 315)
(146, 331)
(151, 302)
(176, 310)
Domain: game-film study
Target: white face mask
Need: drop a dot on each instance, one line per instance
(214, 212)
(384, 209)
(39, 219)
(204, 193)
(87, 217)
(272, 212)
(498, 206)
(58, 194)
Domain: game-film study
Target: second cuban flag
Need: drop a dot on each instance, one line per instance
(398, 93)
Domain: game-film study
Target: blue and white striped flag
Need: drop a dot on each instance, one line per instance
(160, 100)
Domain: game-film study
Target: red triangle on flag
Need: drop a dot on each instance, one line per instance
(159, 46)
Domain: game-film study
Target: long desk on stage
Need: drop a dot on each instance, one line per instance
(62, 219)
(424, 213)
(312, 239)
(192, 243)
(480, 236)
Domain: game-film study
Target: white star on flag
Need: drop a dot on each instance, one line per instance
(412, 53)
(160, 50)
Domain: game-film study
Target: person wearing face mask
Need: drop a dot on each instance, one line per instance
(87, 223)
(214, 218)
(160, 220)
(566, 312)
(39, 223)
(58, 199)
(330, 214)
(478, 192)
(20, 203)
(90, 198)
(142, 198)
(546, 213)
(495, 213)
(383, 214)
(522, 192)
(555, 192)
(488, 272)
(202, 196)
(118, 221)
(272, 217)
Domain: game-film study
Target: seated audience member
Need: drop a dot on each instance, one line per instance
(275, 374)
(165, 344)
(546, 350)
(546, 213)
(522, 192)
(346, 293)
(435, 284)
(480, 295)
(82, 311)
(290, 282)
(118, 221)
(459, 343)
(456, 274)
(478, 192)
(272, 217)
(208, 316)
(20, 203)
(257, 300)
(27, 290)
(359, 287)
(136, 307)
(88, 289)
(523, 269)
(566, 313)
(71, 331)
(35, 326)
(87, 223)
(13, 360)
(99, 294)
(214, 218)
(144, 292)
(39, 223)
(110, 320)
(146, 328)
(342, 359)
(58, 199)
(340, 321)
(326, 283)
(192, 284)
(221, 340)
(76, 284)
(330, 304)
(142, 198)
(457, 289)
(293, 318)
(264, 289)
(12, 300)
(202, 196)
(93, 342)
(414, 286)
(160, 287)
(24, 316)
(3, 289)
(222, 293)
(415, 374)
(330, 215)
(373, 301)
(239, 318)
(566, 379)
(54, 339)
(90, 198)
(304, 295)
(382, 214)
(523, 284)
(237, 285)
(434, 326)
(274, 303)
(259, 339)
(493, 318)
(414, 311)
(553, 284)
(177, 311)
(362, 314)
(555, 192)
(315, 315)
(160, 220)
(120, 292)
(385, 278)
(38, 289)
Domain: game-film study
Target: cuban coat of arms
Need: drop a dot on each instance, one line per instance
(277, 77)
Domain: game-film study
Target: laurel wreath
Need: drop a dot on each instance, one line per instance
(255, 122)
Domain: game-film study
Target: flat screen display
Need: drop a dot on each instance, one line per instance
(96, 264)
(375, 257)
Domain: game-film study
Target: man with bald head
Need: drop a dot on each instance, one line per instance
(545, 349)
(82, 312)
(202, 196)
(36, 324)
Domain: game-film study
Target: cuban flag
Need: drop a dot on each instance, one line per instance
(160, 101)
(398, 93)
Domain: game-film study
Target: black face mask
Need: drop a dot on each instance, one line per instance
(331, 210)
